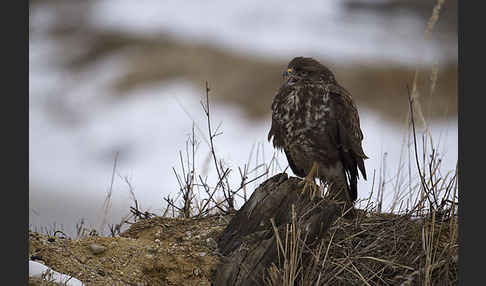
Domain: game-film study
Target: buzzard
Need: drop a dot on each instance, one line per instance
(316, 123)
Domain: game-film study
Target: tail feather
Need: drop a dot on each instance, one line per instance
(353, 187)
(351, 181)
(361, 167)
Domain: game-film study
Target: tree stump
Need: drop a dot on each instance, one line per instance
(250, 243)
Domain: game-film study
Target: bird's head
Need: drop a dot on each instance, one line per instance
(307, 68)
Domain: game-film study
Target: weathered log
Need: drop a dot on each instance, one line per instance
(249, 243)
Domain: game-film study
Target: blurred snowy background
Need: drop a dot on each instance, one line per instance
(127, 77)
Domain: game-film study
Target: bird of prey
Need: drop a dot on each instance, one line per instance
(316, 123)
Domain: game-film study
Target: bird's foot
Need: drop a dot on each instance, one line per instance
(308, 182)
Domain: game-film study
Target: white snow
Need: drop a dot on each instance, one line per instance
(36, 270)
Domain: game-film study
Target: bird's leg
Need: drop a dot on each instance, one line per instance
(309, 180)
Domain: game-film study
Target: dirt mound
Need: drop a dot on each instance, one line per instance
(283, 236)
(156, 251)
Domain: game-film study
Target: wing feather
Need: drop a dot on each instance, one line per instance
(350, 134)
(276, 128)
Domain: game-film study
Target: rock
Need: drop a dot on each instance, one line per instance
(97, 248)
(188, 234)
(211, 243)
(38, 258)
(152, 249)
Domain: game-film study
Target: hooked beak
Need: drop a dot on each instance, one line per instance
(285, 74)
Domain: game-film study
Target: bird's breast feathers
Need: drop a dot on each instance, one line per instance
(300, 109)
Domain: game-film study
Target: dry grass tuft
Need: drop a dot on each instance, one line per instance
(384, 249)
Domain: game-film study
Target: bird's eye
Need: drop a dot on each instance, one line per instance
(287, 72)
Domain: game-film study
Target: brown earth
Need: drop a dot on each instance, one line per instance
(156, 251)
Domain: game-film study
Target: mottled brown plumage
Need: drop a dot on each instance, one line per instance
(314, 119)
